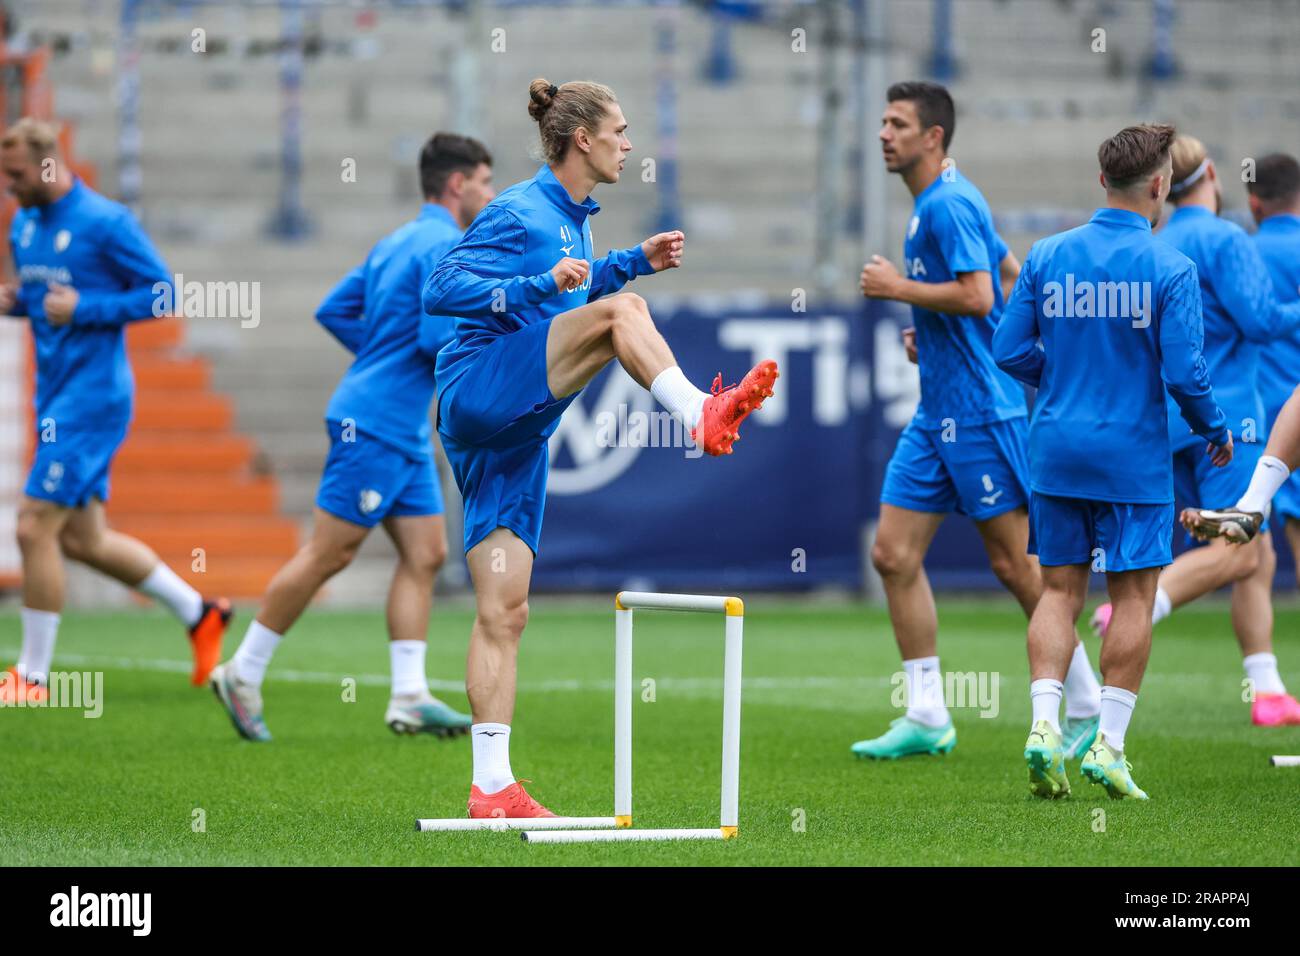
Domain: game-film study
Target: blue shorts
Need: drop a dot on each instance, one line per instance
(981, 473)
(1108, 535)
(495, 418)
(73, 468)
(1199, 484)
(367, 480)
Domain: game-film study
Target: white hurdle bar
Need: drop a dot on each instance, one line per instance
(463, 824)
(1285, 760)
(624, 604)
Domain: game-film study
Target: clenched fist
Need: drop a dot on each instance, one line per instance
(664, 251)
(60, 304)
(570, 273)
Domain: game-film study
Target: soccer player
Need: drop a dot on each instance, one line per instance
(964, 450)
(85, 268)
(1242, 314)
(536, 320)
(380, 465)
(1103, 321)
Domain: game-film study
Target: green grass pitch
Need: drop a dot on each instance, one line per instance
(336, 787)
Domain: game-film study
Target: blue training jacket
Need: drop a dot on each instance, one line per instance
(1278, 242)
(375, 312)
(96, 246)
(1241, 315)
(498, 280)
(1118, 315)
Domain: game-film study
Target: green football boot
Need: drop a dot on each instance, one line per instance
(1077, 735)
(906, 737)
(1046, 760)
(1105, 766)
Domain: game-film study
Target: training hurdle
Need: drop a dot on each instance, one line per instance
(618, 828)
(733, 609)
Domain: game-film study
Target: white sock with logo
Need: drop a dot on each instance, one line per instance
(672, 390)
(40, 628)
(491, 745)
(254, 653)
(1163, 606)
(1262, 671)
(1270, 474)
(1082, 690)
(1045, 698)
(925, 703)
(166, 587)
(1116, 711)
(407, 660)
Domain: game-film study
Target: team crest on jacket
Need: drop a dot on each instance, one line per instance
(913, 226)
(29, 230)
(61, 240)
(369, 500)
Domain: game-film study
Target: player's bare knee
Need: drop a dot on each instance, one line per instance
(891, 560)
(1244, 561)
(428, 560)
(32, 529)
(630, 310)
(329, 561)
(76, 547)
(503, 620)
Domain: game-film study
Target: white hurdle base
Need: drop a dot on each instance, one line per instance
(1284, 760)
(501, 824)
(618, 836)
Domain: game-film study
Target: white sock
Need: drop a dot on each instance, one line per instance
(407, 659)
(1270, 474)
(491, 757)
(672, 390)
(1163, 606)
(1262, 671)
(40, 628)
(255, 653)
(1045, 697)
(1082, 692)
(1116, 711)
(165, 586)
(925, 702)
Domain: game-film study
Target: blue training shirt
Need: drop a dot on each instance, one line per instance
(1119, 319)
(950, 232)
(376, 313)
(1241, 314)
(498, 279)
(1278, 243)
(86, 241)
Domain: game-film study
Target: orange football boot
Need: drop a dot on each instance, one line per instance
(206, 635)
(726, 408)
(513, 801)
(18, 690)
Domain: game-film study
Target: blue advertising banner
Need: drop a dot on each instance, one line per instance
(633, 503)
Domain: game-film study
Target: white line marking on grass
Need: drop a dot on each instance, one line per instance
(687, 685)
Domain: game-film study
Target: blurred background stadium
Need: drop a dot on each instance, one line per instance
(269, 143)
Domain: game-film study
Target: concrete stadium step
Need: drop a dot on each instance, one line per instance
(193, 494)
(170, 410)
(150, 453)
(231, 536)
(172, 374)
